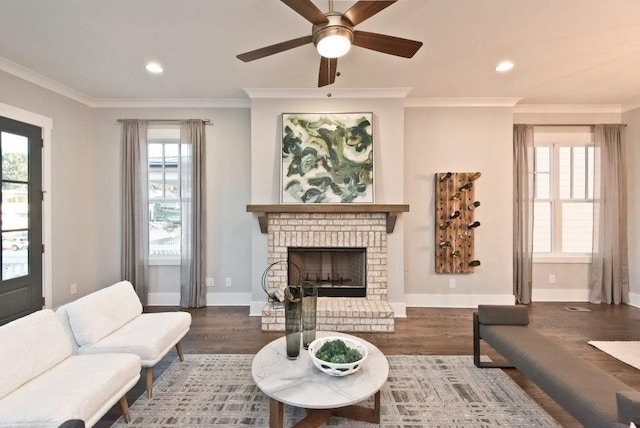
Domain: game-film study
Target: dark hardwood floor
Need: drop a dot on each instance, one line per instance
(428, 331)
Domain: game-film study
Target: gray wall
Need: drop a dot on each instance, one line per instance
(632, 119)
(73, 202)
(228, 225)
(412, 144)
(459, 140)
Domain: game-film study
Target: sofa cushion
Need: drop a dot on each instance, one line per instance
(80, 387)
(503, 315)
(100, 313)
(150, 336)
(29, 346)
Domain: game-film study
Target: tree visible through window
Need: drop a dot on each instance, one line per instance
(164, 191)
(563, 192)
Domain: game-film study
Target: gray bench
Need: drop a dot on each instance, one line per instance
(592, 396)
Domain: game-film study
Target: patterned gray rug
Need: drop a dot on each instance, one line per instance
(422, 391)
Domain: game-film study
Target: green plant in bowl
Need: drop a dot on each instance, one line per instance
(336, 351)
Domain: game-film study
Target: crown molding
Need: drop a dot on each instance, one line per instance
(462, 102)
(255, 93)
(42, 81)
(632, 105)
(568, 108)
(170, 103)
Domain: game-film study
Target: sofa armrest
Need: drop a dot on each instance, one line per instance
(628, 406)
(503, 315)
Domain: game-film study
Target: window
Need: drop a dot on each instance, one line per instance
(164, 192)
(563, 180)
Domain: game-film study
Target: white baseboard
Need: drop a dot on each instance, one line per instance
(228, 299)
(634, 299)
(561, 295)
(213, 299)
(457, 300)
(163, 299)
(255, 308)
(399, 309)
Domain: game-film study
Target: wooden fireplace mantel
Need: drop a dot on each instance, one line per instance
(391, 210)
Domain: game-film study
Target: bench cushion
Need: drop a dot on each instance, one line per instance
(100, 313)
(149, 336)
(628, 406)
(504, 315)
(80, 387)
(584, 390)
(29, 346)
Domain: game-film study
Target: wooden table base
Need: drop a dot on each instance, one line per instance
(316, 417)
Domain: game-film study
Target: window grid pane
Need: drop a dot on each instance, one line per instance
(563, 224)
(542, 227)
(577, 227)
(164, 197)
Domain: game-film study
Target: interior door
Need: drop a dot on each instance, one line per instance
(20, 219)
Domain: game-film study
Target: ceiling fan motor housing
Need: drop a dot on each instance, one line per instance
(337, 25)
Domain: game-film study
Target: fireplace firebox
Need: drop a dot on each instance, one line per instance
(337, 272)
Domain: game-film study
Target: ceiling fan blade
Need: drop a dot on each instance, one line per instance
(307, 10)
(366, 9)
(328, 68)
(274, 49)
(386, 44)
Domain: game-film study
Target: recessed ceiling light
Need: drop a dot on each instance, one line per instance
(504, 66)
(154, 67)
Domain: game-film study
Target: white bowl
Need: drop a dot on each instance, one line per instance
(335, 369)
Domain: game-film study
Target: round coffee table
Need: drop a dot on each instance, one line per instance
(300, 383)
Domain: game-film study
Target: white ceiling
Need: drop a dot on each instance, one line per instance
(565, 51)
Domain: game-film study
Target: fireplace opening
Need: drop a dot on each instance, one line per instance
(337, 272)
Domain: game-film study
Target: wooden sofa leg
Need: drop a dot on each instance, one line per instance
(124, 408)
(179, 349)
(149, 382)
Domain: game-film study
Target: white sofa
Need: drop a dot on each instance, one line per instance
(42, 384)
(110, 320)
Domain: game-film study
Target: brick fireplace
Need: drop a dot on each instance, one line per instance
(332, 227)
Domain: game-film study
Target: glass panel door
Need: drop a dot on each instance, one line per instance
(20, 219)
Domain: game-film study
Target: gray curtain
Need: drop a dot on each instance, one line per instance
(193, 185)
(522, 212)
(609, 279)
(135, 207)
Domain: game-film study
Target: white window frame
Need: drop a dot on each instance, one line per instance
(164, 134)
(557, 137)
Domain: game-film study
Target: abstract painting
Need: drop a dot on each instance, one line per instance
(327, 158)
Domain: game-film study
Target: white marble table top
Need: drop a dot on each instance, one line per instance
(301, 384)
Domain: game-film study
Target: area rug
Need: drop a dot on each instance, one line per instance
(421, 391)
(627, 351)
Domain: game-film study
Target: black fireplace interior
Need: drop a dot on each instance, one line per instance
(337, 272)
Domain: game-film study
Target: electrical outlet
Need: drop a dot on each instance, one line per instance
(452, 283)
(228, 282)
(552, 279)
(74, 289)
(209, 282)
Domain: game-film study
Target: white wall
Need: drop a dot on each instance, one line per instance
(228, 225)
(632, 119)
(388, 136)
(459, 140)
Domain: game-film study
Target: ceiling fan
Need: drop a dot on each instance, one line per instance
(333, 34)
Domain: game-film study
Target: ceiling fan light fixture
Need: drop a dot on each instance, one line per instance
(333, 42)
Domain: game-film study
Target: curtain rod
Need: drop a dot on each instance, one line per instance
(568, 124)
(206, 121)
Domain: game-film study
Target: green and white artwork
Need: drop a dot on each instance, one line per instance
(327, 158)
